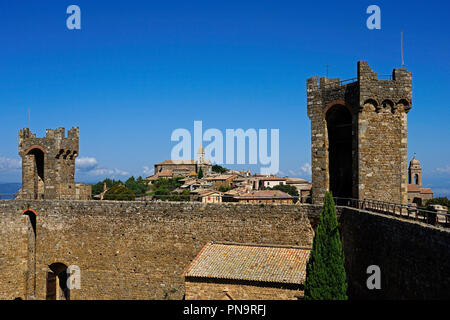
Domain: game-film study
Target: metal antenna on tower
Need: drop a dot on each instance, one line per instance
(327, 70)
(29, 118)
(403, 60)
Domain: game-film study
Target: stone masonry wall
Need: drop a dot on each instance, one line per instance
(13, 253)
(414, 258)
(382, 135)
(139, 250)
(204, 290)
(134, 250)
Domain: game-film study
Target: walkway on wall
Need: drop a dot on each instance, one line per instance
(410, 212)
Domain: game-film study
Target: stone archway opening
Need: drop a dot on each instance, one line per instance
(57, 282)
(31, 218)
(339, 127)
(39, 174)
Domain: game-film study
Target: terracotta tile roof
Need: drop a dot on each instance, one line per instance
(416, 189)
(272, 179)
(177, 162)
(208, 192)
(221, 177)
(264, 194)
(165, 173)
(426, 191)
(278, 264)
(162, 174)
(174, 162)
(297, 181)
(234, 192)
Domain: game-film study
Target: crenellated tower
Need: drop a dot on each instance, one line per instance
(48, 165)
(359, 135)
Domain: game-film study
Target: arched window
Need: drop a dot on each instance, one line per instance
(416, 179)
(31, 274)
(39, 176)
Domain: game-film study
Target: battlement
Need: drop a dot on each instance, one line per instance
(55, 142)
(365, 76)
(48, 164)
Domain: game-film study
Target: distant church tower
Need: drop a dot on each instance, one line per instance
(201, 155)
(415, 172)
(202, 162)
(358, 135)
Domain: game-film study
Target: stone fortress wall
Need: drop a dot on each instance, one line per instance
(139, 250)
(132, 250)
(414, 258)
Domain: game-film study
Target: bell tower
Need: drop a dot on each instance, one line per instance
(415, 172)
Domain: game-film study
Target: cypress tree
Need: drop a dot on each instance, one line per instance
(325, 271)
(200, 173)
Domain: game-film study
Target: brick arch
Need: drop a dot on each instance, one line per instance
(30, 210)
(336, 103)
(36, 146)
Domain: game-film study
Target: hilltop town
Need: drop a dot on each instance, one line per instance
(199, 180)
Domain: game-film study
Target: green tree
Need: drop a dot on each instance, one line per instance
(443, 201)
(139, 186)
(219, 169)
(200, 173)
(224, 188)
(325, 271)
(98, 187)
(168, 184)
(119, 192)
(286, 188)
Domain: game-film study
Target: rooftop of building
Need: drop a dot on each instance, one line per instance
(220, 177)
(261, 194)
(207, 192)
(272, 178)
(414, 162)
(176, 162)
(166, 173)
(416, 189)
(296, 181)
(251, 262)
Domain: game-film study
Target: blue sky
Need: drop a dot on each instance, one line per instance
(137, 70)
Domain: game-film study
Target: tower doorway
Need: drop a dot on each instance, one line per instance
(57, 282)
(339, 126)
